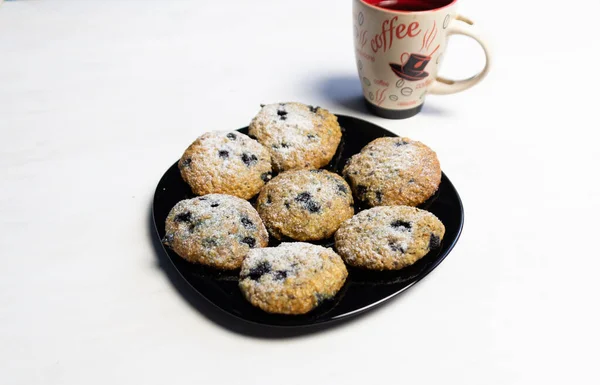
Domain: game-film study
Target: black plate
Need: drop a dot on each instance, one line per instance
(363, 290)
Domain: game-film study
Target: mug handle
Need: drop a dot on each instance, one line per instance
(443, 86)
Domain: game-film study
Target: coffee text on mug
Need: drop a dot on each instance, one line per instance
(389, 30)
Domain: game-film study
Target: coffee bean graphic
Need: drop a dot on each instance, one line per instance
(360, 65)
(406, 91)
(371, 96)
(400, 83)
(367, 82)
(361, 18)
(446, 21)
(393, 98)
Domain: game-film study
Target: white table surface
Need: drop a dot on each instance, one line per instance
(99, 98)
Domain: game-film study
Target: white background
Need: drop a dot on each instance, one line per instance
(99, 98)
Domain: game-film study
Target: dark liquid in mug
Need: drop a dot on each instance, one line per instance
(409, 5)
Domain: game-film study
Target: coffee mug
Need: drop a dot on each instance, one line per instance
(399, 46)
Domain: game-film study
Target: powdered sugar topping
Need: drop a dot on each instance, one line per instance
(394, 154)
(299, 261)
(290, 123)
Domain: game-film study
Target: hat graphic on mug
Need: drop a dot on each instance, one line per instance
(413, 69)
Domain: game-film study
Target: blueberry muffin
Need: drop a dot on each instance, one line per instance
(215, 230)
(226, 163)
(393, 171)
(388, 237)
(305, 205)
(292, 278)
(297, 136)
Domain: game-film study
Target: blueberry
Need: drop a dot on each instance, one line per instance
(262, 105)
(224, 154)
(313, 206)
(280, 275)
(214, 204)
(317, 171)
(249, 159)
(187, 162)
(247, 223)
(379, 196)
(411, 181)
(201, 198)
(269, 200)
(310, 136)
(434, 241)
(251, 242)
(183, 217)
(304, 197)
(287, 205)
(265, 176)
(396, 247)
(314, 109)
(282, 114)
(400, 225)
(400, 143)
(232, 136)
(341, 188)
(284, 145)
(258, 271)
